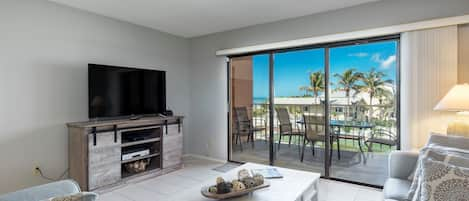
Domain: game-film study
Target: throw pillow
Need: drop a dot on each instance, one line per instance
(454, 156)
(444, 182)
(82, 196)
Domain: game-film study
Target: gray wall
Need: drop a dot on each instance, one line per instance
(208, 72)
(44, 52)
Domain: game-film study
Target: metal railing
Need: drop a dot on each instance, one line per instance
(382, 116)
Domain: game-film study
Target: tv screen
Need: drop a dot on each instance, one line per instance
(120, 91)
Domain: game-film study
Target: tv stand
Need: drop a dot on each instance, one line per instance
(103, 154)
(136, 117)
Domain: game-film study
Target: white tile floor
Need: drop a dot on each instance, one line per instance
(183, 184)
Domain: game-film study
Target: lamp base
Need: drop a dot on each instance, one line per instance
(458, 127)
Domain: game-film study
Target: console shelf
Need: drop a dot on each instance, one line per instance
(128, 144)
(140, 158)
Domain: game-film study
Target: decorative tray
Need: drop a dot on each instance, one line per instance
(244, 184)
(232, 194)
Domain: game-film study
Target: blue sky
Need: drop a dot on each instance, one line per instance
(291, 69)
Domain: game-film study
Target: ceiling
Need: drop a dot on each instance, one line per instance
(191, 18)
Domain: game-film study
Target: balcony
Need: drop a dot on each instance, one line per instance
(366, 163)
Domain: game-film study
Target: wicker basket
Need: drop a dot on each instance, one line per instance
(137, 166)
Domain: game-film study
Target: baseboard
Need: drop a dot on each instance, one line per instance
(205, 158)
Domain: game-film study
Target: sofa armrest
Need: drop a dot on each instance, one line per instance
(42, 192)
(402, 164)
(89, 196)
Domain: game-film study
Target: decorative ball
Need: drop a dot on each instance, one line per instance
(212, 189)
(238, 186)
(243, 174)
(220, 180)
(223, 188)
(229, 184)
(258, 179)
(249, 182)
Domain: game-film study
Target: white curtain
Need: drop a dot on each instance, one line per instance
(463, 69)
(429, 68)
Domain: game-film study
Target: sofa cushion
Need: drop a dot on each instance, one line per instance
(442, 181)
(396, 189)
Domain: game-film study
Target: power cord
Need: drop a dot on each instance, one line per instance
(62, 176)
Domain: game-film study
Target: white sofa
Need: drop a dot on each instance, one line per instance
(46, 191)
(402, 165)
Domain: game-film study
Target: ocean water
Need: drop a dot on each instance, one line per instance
(260, 100)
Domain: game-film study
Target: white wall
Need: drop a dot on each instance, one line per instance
(44, 52)
(208, 72)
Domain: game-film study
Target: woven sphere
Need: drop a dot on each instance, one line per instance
(223, 188)
(249, 182)
(258, 179)
(243, 174)
(212, 189)
(229, 184)
(220, 180)
(238, 186)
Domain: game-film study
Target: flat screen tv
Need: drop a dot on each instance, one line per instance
(116, 92)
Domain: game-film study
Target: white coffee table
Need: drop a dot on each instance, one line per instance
(294, 186)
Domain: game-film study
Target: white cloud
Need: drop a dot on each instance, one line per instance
(390, 60)
(358, 54)
(384, 63)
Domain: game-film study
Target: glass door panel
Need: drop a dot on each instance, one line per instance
(299, 109)
(249, 109)
(363, 97)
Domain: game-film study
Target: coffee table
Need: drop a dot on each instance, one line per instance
(294, 186)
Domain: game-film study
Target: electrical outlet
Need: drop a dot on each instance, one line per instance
(37, 171)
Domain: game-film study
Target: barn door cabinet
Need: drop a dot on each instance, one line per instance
(97, 150)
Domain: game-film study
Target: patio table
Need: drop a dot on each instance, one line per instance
(361, 125)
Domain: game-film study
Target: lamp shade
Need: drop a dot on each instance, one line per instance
(457, 99)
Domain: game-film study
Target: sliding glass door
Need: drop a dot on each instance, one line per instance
(363, 100)
(299, 85)
(331, 109)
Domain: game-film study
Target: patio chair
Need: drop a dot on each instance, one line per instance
(382, 137)
(286, 128)
(244, 126)
(315, 132)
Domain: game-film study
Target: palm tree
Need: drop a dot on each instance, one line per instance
(305, 89)
(348, 81)
(316, 84)
(384, 96)
(372, 83)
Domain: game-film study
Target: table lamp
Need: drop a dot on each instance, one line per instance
(457, 100)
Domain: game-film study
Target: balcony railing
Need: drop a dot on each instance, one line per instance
(382, 117)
